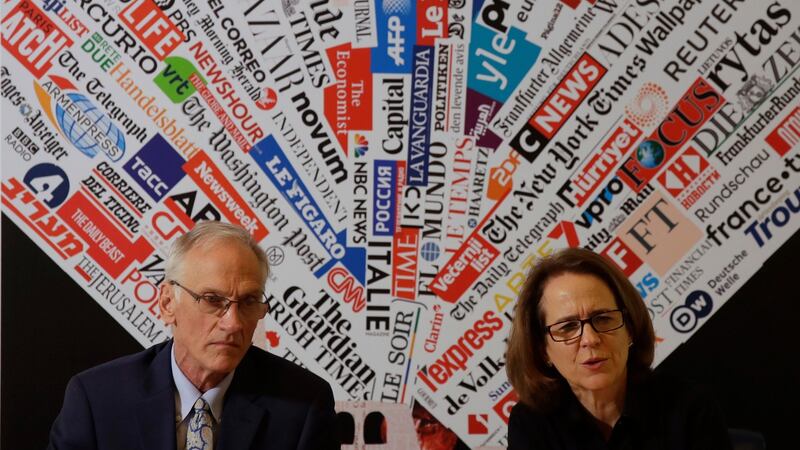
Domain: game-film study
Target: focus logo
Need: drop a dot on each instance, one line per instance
(787, 134)
(32, 37)
(156, 168)
(698, 305)
(693, 110)
(689, 177)
(478, 424)
(83, 124)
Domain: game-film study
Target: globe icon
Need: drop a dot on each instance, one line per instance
(430, 251)
(79, 136)
(650, 154)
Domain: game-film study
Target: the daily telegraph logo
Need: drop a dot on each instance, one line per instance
(693, 110)
(786, 135)
(152, 26)
(156, 167)
(30, 35)
(688, 177)
(543, 125)
(396, 28)
(83, 124)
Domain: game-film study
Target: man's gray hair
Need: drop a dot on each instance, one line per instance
(209, 232)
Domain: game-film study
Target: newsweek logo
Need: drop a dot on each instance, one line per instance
(693, 110)
(688, 177)
(558, 107)
(218, 189)
(786, 135)
(152, 26)
(30, 35)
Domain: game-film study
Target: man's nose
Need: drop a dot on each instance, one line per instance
(231, 320)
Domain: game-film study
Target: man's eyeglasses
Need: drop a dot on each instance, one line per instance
(251, 308)
(601, 322)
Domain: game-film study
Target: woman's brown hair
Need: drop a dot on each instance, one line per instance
(534, 381)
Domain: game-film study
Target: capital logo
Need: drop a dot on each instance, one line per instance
(649, 105)
(174, 79)
(697, 306)
(82, 123)
(478, 424)
(360, 145)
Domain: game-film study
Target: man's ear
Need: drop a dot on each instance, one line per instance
(167, 303)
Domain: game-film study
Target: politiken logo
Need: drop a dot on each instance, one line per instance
(30, 35)
(83, 124)
(686, 317)
(157, 167)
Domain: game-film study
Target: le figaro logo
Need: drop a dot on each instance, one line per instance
(82, 123)
(30, 35)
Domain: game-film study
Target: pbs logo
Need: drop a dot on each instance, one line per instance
(698, 305)
(79, 135)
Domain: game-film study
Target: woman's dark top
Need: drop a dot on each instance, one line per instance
(659, 413)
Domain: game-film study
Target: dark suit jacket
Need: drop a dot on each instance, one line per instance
(129, 403)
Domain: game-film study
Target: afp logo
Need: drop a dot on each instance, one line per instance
(686, 317)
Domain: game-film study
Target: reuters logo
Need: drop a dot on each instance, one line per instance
(649, 105)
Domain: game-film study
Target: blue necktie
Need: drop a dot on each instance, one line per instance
(198, 436)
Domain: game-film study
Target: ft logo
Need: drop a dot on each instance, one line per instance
(685, 318)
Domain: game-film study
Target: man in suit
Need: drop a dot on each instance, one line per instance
(207, 388)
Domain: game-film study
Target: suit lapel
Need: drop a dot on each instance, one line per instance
(242, 416)
(155, 413)
(245, 409)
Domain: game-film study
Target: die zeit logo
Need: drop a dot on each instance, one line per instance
(693, 110)
(457, 356)
(558, 107)
(32, 37)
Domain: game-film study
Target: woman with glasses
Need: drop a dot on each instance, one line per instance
(579, 358)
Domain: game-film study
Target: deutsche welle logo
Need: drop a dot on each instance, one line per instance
(698, 305)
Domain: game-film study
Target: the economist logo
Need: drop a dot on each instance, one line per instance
(348, 102)
(30, 35)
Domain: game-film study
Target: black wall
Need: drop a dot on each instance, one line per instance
(747, 354)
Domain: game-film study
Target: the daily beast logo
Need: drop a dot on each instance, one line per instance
(32, 37)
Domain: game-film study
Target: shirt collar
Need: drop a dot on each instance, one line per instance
(187, 394)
